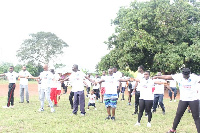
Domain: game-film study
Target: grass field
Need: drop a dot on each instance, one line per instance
(25, 118)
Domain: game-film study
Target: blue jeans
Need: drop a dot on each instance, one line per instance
(174, 89)
(158, 98)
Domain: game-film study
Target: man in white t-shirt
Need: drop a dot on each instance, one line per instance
(23, 74)
(188, 90)
(46, 77)
(77, 80)
(117, 75)
(11, 76)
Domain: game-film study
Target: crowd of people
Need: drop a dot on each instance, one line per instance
(149, 91)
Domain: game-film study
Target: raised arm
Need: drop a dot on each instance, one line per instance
(168, 77)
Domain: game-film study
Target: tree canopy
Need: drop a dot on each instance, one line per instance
(159, 35)
(41, 48)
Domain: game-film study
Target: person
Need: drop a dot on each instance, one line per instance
(131, 86)
(11, 76)
(77, 80)
(24, 84)
(136, 90)
(102, 86)
(146, 97)
(96, 87)
(111, 96)
(123, 87)
(92, 98)
(46, 78)
(173, 87)
(187, 84)
(88, 85)
(158, 95)
(117, 74)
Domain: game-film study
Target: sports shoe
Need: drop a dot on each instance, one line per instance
(189, 111)
(137, 124)
(170, 100)
(163, 112)
(108, 118)
(146, 114)
(171, 131)
(129, 103)
(135, 113)
(174, 100)
(21, 102)
(72, 114)
(12, 106)
(88, 109)
(82, 114)
(148, 124)
(52, 110)
(27, 101)
(95, 108)
(153, 111)
(41, 109)
(113, 118)
(5, 107)
(55, 105)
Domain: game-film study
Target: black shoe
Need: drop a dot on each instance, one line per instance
(189, 111)
(113, 118)
(108, 118)
(135, 113)
(27, 101)
(71, 107)
(153, 111)
(146, 114)
(21, 102)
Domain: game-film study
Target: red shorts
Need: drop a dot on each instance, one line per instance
(103, 90)
(58, 92)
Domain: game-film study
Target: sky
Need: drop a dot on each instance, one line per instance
(83, 24)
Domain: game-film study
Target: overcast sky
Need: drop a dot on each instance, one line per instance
(83, 24)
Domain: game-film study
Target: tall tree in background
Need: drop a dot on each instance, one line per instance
(41, 48)
(158, 34)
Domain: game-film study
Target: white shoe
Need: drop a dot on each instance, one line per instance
(12, 106)
(148, 124)
(82, 114)
(5, 107)
(137, 124)
(174, 100)
(52, 110)
(41, 109)
(95, 108)
(88, 109)
(170, 101)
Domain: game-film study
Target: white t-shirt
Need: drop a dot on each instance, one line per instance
(198, 90)
(188, 89)
(172, 83)
(146, 89)
(110, 84)
(11, 77)
(91, 98)
(46, 79)
(102, 84)
(24, 81)
(56, 83)
(97, 85)
(123, 83)
(159, 88)
(88, 82)
(77, 79)
(117, 75)
(140, 77)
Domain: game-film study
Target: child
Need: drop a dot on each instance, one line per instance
(92, 98)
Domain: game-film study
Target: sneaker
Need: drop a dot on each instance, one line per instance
(137, 124)
(129, 103)
(88, 109)
(55, 105)
(148, 124)
(171, 131)
(163, 112)
(27, 101)
(52, 110)
(189, 111)
(135, 113)
(108, 118)
(113, 118)
(41, 109)
(21, 102)
(82, 114)
(146, 114)
(174, 100)
(5, 107)
(71, 107)
(12, 106)
(73, 114)
(95, 108)
(170, 101)
(153, 111)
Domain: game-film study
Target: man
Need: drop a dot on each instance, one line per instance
(117, 75)
(23, 74)
(110, 96)
(102, 86)
(172, 84)
(158, 95)
(11, 76)
(188, 91)
(46, 77)
(140, 76)
(77, 80)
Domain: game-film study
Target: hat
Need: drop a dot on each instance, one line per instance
(185, 71)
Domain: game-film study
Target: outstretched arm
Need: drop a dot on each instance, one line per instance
(168, 77)
(2, 74)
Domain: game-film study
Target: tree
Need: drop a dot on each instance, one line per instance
(41, 48)
(157, 34)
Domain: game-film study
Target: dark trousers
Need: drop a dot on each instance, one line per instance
(88, 90)
(64, 87)
(71, 95)
(96, 92)
(137, 96)
(158, 98)
(79, 98)
(145, 105)
(11, 88)
(182, 106)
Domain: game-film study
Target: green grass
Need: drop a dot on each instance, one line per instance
(25, 118)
